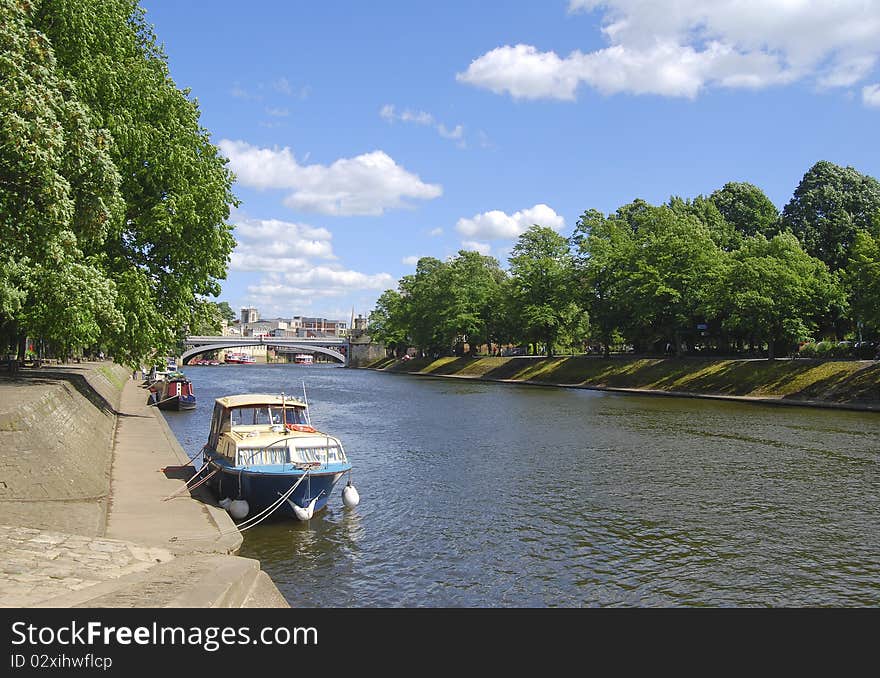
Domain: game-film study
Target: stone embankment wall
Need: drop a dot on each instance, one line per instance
(850, 384)
(363, 354)
(56, 447)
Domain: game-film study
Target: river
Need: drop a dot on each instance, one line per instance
(489, 495)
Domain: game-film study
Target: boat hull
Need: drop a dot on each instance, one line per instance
(160, 397)
(261, 490)
(178, 403)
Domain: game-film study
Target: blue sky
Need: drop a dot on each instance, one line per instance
(365, 135)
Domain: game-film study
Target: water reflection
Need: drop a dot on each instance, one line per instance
(489, 495)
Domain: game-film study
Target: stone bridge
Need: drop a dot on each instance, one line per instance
(198, 345)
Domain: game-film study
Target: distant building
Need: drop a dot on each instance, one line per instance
(249, 315)
(251, 325)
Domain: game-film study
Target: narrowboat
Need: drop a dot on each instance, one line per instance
(174, 391)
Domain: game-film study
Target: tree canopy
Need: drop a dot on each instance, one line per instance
(829, 205)
(113, 201)
(721, 274)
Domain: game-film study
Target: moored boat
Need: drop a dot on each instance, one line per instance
(263, 450)
(304, 359)
(240, 359)
(174, 391)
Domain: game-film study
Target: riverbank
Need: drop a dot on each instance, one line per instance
(85, 469)
(818, 383)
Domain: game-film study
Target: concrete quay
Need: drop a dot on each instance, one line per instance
(86, 472)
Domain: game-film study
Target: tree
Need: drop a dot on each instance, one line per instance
(862, 277)
(675, 261)
(206, 319)
(830, 204)
(171, 245)
(723, 233)
(426, 300)
(542, 269)
(604, 251)
(226, 311)
(747, 209)
(388, 324)
(59, 195)
(773, 291)
(473, 286)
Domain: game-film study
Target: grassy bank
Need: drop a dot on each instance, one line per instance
(834, 382)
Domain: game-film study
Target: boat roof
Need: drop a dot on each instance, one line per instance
(251, 399)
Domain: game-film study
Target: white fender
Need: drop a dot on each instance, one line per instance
(224, 503)
(304, 513)
(350, 496)
(238, 509)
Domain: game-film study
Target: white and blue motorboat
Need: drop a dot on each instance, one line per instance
(263, 455)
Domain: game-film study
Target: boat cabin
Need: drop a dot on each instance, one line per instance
(260, 430)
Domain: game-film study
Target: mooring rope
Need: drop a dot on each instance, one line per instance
(186, 485)
(188, 460)
(241, 527)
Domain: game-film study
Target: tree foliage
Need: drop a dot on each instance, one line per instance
(719, 273)
(829, 205)
(106, 170)
(773, 291)
(862, 277)
(747, 209)
(541, 269)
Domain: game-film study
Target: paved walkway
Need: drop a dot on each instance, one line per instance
(137, 512)
(152, 553)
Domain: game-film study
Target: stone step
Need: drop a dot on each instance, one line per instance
(187, 581)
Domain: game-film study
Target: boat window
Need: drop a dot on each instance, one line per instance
(249, 416)
(291, 415)
(321, 454)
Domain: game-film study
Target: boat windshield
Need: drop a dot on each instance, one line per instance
(266, 414)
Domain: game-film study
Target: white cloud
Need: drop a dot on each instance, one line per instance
(411, 260)
(497, 225)
(483, 248)
(389, 113)
(318, 282)
(274, 245)
(679, 47)
(871, 95)
(299, 269)
(367, 184)
(283, 86)
(435, 232)
(456, 133)
(523, 72)
(277, 112)
(240, 92)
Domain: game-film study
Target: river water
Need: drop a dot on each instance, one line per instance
(489, 495)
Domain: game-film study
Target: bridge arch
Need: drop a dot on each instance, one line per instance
(207, 348)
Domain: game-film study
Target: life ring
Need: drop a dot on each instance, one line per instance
(304, 428)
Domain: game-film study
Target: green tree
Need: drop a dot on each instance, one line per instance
(747, 209)
(542, 271)
(226, 311)
(473, 285)
(862, 278)
(604, 251)
(206, 319)
(773, 291)
(172, 244)
(426, 305)
(723, 232)
(388, 322)
(59, 195)
(830, 204)
(675, 260)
